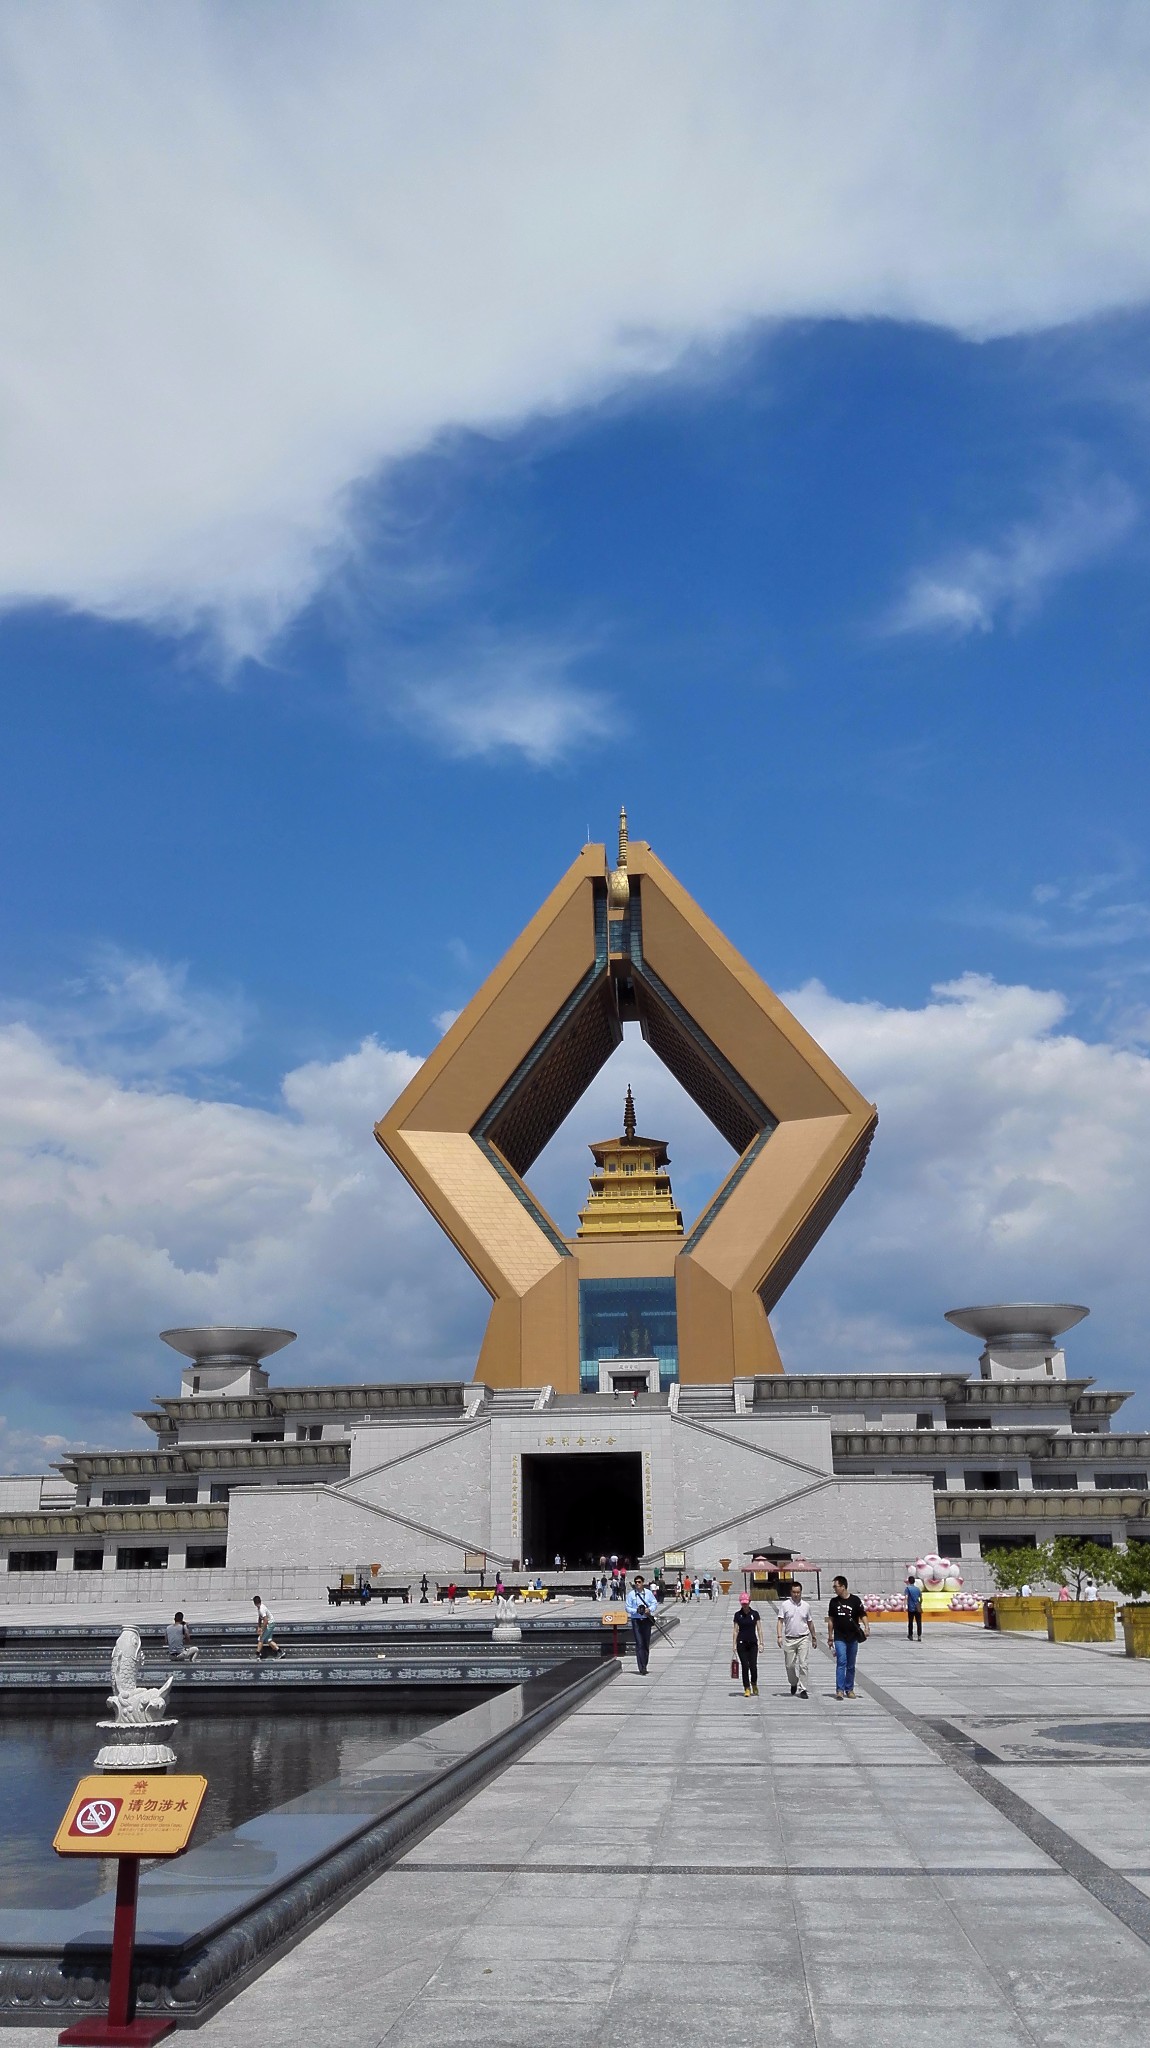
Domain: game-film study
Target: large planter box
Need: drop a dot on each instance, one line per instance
(1136, 1630)
(1019, 1615)
(1080, 1621)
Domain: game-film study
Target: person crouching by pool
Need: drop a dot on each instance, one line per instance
(642, 1607)
(266, 1644)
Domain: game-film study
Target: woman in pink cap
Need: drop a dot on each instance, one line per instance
(747, 1641)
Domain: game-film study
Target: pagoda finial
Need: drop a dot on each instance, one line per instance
(629, 1115)
(618, 886)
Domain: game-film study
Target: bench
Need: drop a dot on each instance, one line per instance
(336, 1595)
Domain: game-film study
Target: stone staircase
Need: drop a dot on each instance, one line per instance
(697, 1403)
(513, 1400)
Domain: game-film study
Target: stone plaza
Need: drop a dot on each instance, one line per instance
(959, 1856)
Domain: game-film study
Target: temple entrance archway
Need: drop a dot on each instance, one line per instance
(582, 1506)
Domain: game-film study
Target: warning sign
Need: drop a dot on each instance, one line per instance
(124, 1816)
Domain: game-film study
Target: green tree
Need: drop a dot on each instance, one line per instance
(1076, 1559)
(1130, 1570)
(1027, 1565)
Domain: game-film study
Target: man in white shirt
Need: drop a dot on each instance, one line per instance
(795, 1634)
(642, 1606)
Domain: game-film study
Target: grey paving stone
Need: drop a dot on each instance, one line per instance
(650, 2020)
(476, 2023)
(506, 1979)
(923, 2025)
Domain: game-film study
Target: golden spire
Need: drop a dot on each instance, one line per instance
(618, 887)
(629, 1115)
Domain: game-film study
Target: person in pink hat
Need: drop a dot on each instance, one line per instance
(747, 1641)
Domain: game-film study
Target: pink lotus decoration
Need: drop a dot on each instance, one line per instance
(938, 1574)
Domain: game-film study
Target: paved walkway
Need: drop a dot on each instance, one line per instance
(961, 1855)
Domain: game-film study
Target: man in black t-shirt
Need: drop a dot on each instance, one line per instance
(846, 1629)
(747, 1641)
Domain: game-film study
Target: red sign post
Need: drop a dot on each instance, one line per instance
(127, 1818)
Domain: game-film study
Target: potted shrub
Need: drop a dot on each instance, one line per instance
(1081, 1566)
(1028, 1565)
(1130, 1572)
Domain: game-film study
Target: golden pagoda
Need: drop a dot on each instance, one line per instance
(630, 1189)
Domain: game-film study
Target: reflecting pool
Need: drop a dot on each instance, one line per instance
(251, 1762)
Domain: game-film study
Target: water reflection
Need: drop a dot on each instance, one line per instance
(251, 1762)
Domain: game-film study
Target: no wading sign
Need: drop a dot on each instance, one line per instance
(119, 1814)
(125, 1816)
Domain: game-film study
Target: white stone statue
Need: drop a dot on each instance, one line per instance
(135, 1705)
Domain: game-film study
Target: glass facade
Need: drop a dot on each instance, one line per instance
(624, 1319)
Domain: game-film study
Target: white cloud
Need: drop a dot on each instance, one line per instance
(510, 697)
(1082, 915)
(969, 592)
(254, 254)
(29, 1451)
(124, 1209)
(139, 1016)
(1012, 1161)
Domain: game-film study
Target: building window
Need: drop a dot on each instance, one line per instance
(127, 1496)
(207, 1557)
(88, 1561)
(309, 1432)
(180, 1496)
(939, 1479)
(991, 1482)
(924, 1420)
(220, 1491)
(1120, 1482)
(153, 1559)
(267, 1436)
(624, 1319)
(31, 1560)
(1056, 1482)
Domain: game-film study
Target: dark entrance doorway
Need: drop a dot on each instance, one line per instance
(582, 1506)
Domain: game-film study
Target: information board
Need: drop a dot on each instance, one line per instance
(116, 1814)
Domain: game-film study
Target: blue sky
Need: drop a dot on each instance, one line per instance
(829, 561)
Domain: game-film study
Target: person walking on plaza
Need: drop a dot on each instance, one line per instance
(846, 1629)
(747, 1641)
(642, 1607)
(913, 1607)
(181, 1648)
(265, 1631)
(795, 1634)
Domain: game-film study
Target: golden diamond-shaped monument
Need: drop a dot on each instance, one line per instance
(612, 946)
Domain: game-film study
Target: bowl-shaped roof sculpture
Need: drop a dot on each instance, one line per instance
(220, 1342)
(1018, 1325)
